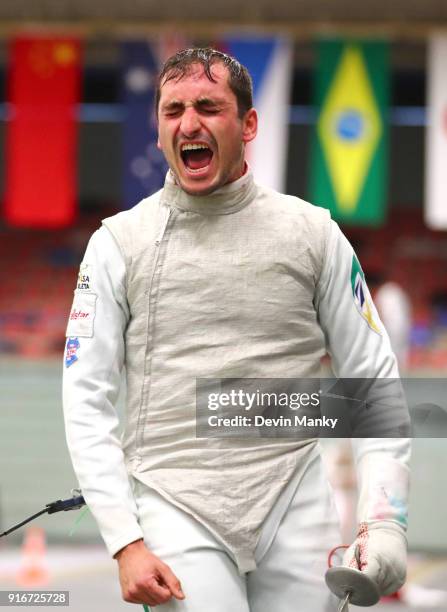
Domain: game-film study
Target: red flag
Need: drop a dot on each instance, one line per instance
(43, 90)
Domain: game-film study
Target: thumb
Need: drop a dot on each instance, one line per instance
(172, 582)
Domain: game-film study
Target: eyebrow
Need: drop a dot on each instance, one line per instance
(175, 105)
(209, 102)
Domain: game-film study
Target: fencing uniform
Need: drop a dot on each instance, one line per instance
(244, 282)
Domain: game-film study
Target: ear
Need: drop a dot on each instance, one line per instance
(158, 143)
(249, 125)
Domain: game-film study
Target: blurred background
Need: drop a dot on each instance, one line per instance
(352, 100)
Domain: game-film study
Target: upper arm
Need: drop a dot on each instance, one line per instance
(356, 338)
(98, 318)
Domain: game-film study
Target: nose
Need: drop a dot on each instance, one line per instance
(190, 124)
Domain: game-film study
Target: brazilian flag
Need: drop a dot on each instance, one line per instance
(349, 161)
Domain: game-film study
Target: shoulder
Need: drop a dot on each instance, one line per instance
(312, 224)
(293, 206)
(128, 226)
(127, 218)
(298, 221)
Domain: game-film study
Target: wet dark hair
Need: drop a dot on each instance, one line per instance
(180, 64)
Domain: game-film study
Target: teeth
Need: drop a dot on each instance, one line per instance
(192, 147)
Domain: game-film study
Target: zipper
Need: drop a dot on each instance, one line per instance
(160, 250)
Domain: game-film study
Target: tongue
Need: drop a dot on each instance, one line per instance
(198, 158)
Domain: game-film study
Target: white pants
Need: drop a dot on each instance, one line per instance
(291, 554)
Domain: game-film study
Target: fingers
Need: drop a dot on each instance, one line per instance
(156, 589)
(373, 569)
(386, 574)
(148, 592)
(158, 592)
(172, 582)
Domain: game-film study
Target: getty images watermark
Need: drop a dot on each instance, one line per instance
(251, 401)
(309, 408)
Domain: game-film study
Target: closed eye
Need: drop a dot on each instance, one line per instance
(173, 109)
(207, 106)
(209, 111)
(172, 113)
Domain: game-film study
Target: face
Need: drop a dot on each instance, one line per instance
(200, 132)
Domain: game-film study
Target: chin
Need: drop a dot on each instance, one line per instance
(196, 188)
(199, 191)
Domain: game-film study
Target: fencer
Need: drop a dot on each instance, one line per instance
(217, 276)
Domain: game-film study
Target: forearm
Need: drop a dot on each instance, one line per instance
(100, 468)
(383, 479)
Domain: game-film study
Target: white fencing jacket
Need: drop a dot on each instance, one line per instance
(244, 282)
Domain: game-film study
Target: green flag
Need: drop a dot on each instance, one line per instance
(350, 142)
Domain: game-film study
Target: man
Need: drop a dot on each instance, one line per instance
(215, 276)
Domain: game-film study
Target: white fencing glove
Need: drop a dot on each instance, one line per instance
(381, 545)
(381, 554)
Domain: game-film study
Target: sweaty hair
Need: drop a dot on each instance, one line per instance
(180, 64)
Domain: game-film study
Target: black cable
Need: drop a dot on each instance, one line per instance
(23, 522)
(61, 505)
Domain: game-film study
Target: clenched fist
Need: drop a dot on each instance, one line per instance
(144, 578)
(382, 553)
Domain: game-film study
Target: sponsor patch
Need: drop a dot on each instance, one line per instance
(84, 277)
(82, 315)
(71, 351)
(362, 297)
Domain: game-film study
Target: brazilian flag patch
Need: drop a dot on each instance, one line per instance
(360, 292)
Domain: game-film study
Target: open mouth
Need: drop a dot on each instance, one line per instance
(196, 157)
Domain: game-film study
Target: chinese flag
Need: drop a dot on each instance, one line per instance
(43, 91)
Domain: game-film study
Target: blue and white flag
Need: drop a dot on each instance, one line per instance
(436, 143)
(144, 165)
(269, 61)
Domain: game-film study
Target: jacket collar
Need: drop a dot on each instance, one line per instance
(224, 201)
